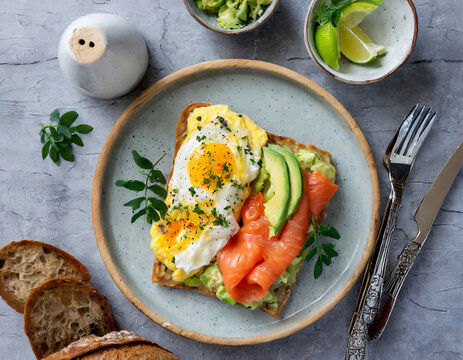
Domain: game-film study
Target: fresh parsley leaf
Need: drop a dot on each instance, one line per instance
(135, 185)
(135, 203)
(57, 136)
(192, 191)
(154, 208)
(325, 251)
(84, 129)
(329, 231)
(141, 161)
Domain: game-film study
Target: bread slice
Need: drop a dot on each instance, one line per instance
(161, 275)
(123, 345)
(24, 264)
(62, 310)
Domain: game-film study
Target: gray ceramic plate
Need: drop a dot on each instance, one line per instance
(281, 101)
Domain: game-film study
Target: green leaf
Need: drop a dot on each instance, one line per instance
(318, 268)
(54, 115)
(42, 136)
(84, 128)
(54, 154)
(152, 213)
(65, 131)
(68, 118)
(329, 231)
(326, 259)
(157, 176)
(311, 254)
(134, 185)
(66, 154)
(141, 161)
(46, 149)
(309, 241)
(137, 215)
(55, 136)
(73, 129)
(77, 140)
(157, 204)
(135, 203)
(158, 190)
(329, 250)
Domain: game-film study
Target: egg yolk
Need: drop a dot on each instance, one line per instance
(210, 166)
(183, 226)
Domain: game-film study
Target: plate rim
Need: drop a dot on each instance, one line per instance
(145, 96)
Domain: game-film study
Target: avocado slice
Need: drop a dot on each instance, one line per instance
(278, 193)
(295, 177)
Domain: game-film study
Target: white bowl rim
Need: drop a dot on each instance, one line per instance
(357, 82)
(242, 30)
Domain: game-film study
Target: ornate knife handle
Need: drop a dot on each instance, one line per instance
(358, 335)
(399, 274)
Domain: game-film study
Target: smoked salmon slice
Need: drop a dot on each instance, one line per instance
(320, 190)
(251, 262)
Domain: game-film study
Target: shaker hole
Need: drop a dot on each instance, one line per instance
(92, 44)
(82, 42)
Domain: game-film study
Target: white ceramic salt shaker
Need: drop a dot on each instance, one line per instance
(103, 55)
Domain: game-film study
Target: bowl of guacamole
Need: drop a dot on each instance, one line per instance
(231, 16)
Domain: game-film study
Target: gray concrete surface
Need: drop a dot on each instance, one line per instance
(39, 200)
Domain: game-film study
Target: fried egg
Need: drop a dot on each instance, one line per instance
(218, 159)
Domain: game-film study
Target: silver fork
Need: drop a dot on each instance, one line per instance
(398, 159)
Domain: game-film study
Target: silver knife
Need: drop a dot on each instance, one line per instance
(424, 216)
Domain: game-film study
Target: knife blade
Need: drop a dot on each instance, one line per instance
(425, 216)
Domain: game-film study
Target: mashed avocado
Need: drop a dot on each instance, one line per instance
(310, 162)
(234, 14)
(213, 281)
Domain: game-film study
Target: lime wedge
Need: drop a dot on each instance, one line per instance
(357, 46)
(354, 14)
(326, 42)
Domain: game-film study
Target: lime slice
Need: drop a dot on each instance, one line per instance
(354, 14)
(326, 42)
(357, 46)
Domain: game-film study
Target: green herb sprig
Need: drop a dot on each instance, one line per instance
(325, 251)
(330, 10)
(58, 136)
(154, 207)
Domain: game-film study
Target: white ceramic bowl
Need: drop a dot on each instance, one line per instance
(103, 55)
(394, 24)
(210, 21)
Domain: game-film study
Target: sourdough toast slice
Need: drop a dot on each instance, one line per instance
(161, 275)
(123, 345)
(62, 310)
(24, 264)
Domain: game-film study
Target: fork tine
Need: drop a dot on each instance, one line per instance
(412, 131)
(402, 132)
(422, 133)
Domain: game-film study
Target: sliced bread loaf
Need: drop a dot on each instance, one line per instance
(24, 264)
(121, 345)
(62, 310)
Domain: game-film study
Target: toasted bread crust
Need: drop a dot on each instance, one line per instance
(161, 275)
(15, 248)
(92, 346)
(32, 314)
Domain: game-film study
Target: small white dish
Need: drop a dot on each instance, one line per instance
(393, 24)
(103, 55)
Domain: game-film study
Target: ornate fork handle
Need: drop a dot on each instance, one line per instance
(394, 284)
(368, 311)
